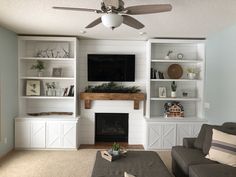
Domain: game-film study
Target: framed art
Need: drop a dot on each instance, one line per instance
(162, 92)
(56, 72)
(32, 88)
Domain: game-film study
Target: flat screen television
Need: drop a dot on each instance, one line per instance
(107, 67)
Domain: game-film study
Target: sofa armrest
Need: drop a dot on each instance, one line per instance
(188, 142)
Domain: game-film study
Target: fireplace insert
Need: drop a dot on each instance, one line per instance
(111, 127)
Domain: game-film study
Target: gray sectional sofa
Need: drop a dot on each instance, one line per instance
(189, 160)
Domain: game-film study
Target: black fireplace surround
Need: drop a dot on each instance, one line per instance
(111, 127)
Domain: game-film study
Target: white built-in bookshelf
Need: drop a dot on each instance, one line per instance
(54, 52)
(193, 57)
(164, 132)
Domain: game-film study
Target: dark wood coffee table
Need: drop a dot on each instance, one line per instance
(137, 163)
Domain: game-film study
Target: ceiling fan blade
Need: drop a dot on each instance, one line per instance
(130, 21)
(148, 9)
(77, 9)
(94, 23)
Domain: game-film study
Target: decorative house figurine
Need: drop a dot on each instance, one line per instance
(174, 109)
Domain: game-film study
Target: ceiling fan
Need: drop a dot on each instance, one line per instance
(115, 13)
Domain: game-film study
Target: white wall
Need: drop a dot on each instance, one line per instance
(136, 120)
(221, 76)
(8, 78)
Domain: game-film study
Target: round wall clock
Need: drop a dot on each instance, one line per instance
(180, 56)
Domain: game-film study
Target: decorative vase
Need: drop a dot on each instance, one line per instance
(167, 57)
(40, 73)
(191, 75)
(49, 92)
(173, 94)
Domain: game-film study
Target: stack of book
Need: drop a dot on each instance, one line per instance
(110, 156)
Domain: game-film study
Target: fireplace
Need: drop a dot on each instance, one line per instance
(111, 127)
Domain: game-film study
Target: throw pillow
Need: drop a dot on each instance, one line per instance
(128, 175)
(223, 148)
(208, 137)
(226, 128)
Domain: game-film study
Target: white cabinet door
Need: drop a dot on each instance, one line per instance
(154, 136)
(53, 134)
(61, 134)
(68, 135)
(168, 136)
(22, 134)
(37, 134)
(186, 130)
(161, 136)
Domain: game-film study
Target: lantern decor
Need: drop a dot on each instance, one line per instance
(173, 109)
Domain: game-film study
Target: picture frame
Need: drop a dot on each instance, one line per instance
(162, 92)
(56, 72)
(32, 88)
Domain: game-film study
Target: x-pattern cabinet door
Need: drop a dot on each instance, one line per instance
(161, 136)
(168, 136)
(38, 134)
(186, 130)
(53, 137)
(68, 135)
(154, 136)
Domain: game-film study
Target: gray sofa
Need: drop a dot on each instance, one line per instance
(189, 160)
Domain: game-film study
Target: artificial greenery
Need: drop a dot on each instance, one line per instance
(111, 88)
(173, 86)
(116, 147)
(38, 66)
(192, 70)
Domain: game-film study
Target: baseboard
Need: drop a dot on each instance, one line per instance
(6, 154)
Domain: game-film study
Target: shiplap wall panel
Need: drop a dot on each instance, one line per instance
(136, 117)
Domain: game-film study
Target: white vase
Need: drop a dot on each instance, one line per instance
(173, 94)
(167, 57)
(40, 73)
(191, 75)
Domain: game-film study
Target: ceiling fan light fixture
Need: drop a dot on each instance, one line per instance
(112, 20)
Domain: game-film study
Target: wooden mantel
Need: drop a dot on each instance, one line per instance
(89, 97)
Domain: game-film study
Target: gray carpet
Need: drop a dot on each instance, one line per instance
(55, 163)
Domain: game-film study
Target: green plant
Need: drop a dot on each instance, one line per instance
(116, 147)
(173, 86)
(192, 70)
(39, 66)
(111, 88)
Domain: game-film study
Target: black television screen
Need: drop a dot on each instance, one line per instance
(106, 67)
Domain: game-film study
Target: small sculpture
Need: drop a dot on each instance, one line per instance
(167, 57)
(67, 54)
(161, 75)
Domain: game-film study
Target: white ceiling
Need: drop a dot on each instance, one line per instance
(188, 18)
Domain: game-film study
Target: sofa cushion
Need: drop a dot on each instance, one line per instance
(209, 170)
(223, 148)
(230, 126)
(201, 137)
(227, 128)
(187, 156)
